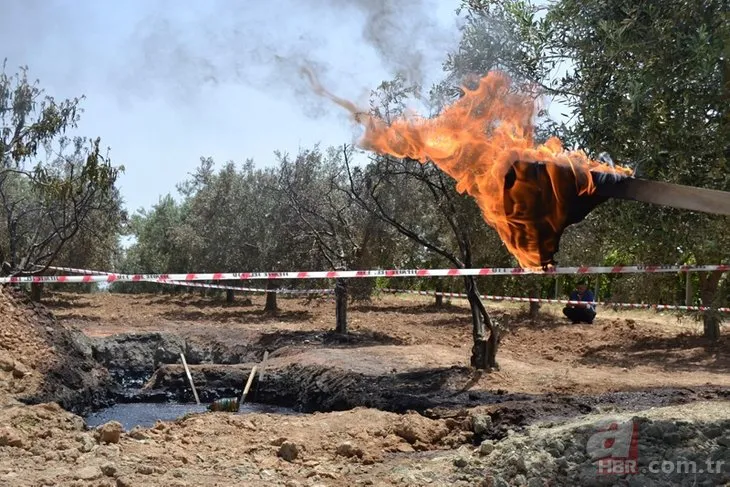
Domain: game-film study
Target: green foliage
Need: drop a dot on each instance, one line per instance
(51, 185)
(648, 83)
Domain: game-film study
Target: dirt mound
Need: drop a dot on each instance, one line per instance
(680, 445)
(50, 447)
(43, 361)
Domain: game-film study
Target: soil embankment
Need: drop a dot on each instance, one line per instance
(43, 360)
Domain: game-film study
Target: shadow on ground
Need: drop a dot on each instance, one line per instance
(67, 301)
(356, 338)
(409, 309)
(238, 316)
(685, 352)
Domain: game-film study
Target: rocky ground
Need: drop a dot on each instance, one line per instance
(428, 420)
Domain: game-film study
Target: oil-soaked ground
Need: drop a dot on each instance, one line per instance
(146, 414)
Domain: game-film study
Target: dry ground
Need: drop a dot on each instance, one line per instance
(44, 445)
(620, 351)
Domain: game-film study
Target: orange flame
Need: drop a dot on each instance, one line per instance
(485, 141)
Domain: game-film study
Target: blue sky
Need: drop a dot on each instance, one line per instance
(170, 81)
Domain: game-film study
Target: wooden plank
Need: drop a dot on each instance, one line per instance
(190, 377)
(263, 366)
(668, 194)
(247, 387)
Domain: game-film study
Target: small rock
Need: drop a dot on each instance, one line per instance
(371, 458)
(88, 473)
(724, 441)
(9, 437)
(6, 363)
(278, 441)
(125, 482)
(460, 462)
(51, 456)
(292, 483)
(481, 423)
(87, 444)
(518, 462)
(181, 458)
(110, 432)
(486, 447)
(20, 370)
(138, 433)
(347, 449)
(328, 474)
(145, 469)
(288, 451)
(109, 469)
(557, 448)
(405, 448)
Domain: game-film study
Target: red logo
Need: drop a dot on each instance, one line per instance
(615, 447)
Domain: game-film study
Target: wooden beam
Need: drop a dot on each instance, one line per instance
(190, 377)
(668, 194)
(247, 387)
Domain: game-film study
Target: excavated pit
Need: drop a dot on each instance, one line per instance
(150, 384)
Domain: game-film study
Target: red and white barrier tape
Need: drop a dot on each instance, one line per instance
(203, 285)
(558, 301)
(244, 276)
(488, 297)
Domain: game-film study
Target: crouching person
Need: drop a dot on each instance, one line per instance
(582, 310)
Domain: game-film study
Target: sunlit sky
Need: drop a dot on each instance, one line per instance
(167, 82)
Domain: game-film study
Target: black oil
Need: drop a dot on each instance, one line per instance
(147, 414)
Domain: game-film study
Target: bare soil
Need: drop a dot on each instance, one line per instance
(400, 351)
(620, 351)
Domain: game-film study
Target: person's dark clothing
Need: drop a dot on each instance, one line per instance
(580, 314)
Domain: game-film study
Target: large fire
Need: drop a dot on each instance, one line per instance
(528, 192)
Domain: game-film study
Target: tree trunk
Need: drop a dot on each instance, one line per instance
(341, 306)
(36, 290)
(484, 350)
(534, 305)
(688, 292)
(709, 285)
(229, 296)
(439, 297)
(271, 305)
(711, 325)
